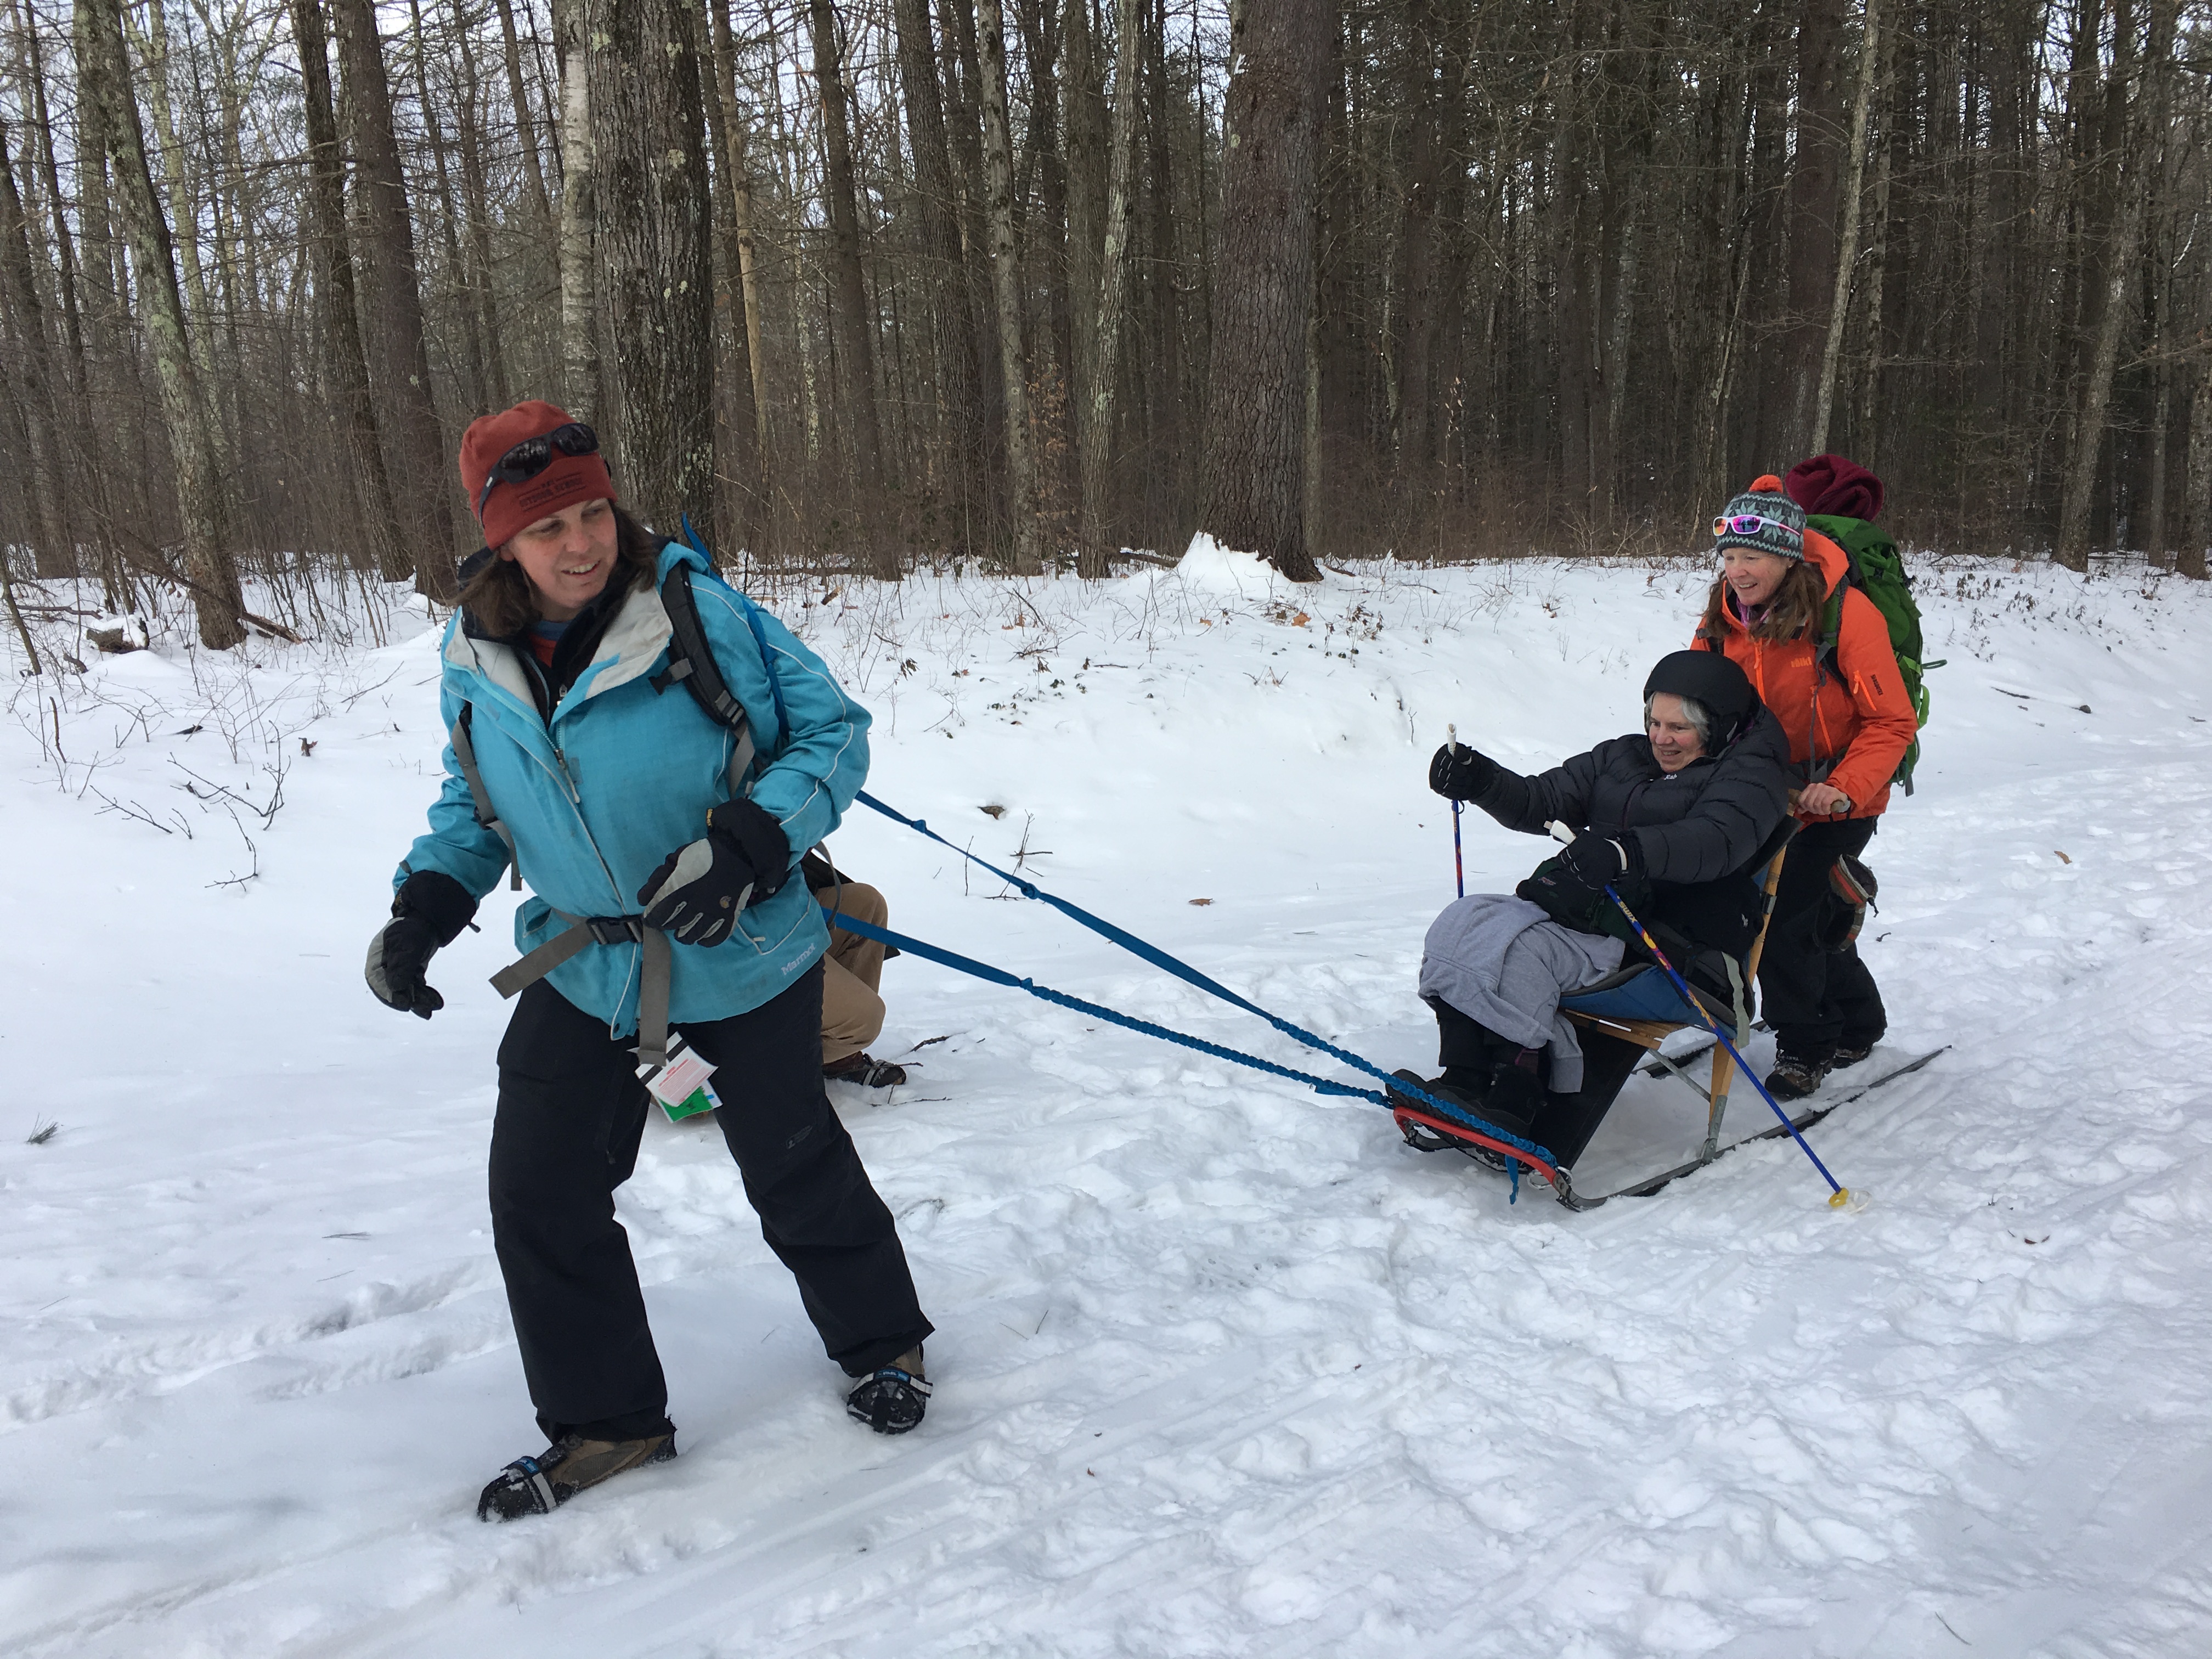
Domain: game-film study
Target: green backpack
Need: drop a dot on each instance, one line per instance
(1877, 570)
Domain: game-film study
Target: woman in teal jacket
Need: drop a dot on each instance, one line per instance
(577, 760)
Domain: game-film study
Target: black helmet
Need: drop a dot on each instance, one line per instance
(1712, 680)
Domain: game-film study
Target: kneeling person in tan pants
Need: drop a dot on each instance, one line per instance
(852, 1012)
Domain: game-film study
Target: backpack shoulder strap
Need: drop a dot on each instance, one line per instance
(692, 664)
(690, 658)
(461, 736)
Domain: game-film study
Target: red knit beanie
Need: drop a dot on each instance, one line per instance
(1832, 485)
(508, 508)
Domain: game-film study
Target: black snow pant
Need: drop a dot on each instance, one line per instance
(1815, 998)
(571, 1113)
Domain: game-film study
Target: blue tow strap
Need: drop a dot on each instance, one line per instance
(1190, 976)
(953, 959)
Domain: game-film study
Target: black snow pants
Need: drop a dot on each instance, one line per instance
(571, 1113)
(1815, 998)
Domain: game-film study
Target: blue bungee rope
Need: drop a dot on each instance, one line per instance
(1190, 976)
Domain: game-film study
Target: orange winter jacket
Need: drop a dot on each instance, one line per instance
(1849, 725)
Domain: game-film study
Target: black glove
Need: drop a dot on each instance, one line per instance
(1459, 773)
(1598, 859)
(1570, 887)
(428, 911)
(699, 889)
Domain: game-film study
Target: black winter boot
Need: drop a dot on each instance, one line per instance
(537, 1485)
(1517, 1091)
(893, 1398)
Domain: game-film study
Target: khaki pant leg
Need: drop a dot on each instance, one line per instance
(852, 1012)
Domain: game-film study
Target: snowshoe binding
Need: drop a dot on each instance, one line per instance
(892, 1398)
(539, 1484)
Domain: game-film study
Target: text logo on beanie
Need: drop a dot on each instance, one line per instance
(507, 508)
(1781, 528)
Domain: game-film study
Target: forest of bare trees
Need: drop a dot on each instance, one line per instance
(873, 283)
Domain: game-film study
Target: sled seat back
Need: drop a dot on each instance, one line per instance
(1640, 1005)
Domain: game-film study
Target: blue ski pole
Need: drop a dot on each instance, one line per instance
(1459, 864)
(1840, 1197)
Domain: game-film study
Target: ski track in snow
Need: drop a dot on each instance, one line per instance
(1222, 1367)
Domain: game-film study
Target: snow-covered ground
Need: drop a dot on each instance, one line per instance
(1222, 1368)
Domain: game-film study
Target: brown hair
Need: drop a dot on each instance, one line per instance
(1790, 614)
(503, 603)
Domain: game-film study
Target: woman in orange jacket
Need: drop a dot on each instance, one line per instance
(1849, 723)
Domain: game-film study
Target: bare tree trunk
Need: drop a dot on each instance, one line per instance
(90, 485)
(580, 318)
(473, 198)
(1006, 283)
(1847, 256)
(458, 277)
(744, 505)
(2121, 274)
(104, 81)
(368, 485)
(1255, 405)
(2197, 510)
(1815, 184)
(526, 129)
(1098, 439)
(951, 311)
(648, 142)
(418, 462)
(849, 312)
(55, 553)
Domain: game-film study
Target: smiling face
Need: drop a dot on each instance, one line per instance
(1675, 739)
(1752, 576)
(568, 556)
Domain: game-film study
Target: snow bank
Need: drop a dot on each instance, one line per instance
(1223, 1367)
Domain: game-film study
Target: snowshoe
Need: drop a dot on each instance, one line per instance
(865, 1070)
(891, 1400)
(539, 1484)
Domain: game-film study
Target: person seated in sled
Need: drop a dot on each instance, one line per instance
(1675, 818)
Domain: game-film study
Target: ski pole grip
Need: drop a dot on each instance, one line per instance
(1561, 833)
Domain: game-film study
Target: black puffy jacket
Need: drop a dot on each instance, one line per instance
(1696, 830)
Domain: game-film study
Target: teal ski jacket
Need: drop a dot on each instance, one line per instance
(623, 776)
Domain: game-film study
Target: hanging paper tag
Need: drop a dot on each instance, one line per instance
(681, 1086)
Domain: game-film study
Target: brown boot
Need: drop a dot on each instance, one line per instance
(537, 1486)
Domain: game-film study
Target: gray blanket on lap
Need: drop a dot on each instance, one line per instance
(1503, 963)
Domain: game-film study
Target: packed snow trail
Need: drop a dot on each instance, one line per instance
(1222, 1367)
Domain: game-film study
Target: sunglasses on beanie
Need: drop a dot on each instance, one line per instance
(533, 455)
(1735, 523)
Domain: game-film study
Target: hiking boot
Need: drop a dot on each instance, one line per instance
(893, 1398)
(865, 1070)
(1796, 1076)
(539, 1484)
(1855, 888)
(1849, 1052)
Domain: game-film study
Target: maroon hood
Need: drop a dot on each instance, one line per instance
(1832, 485)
